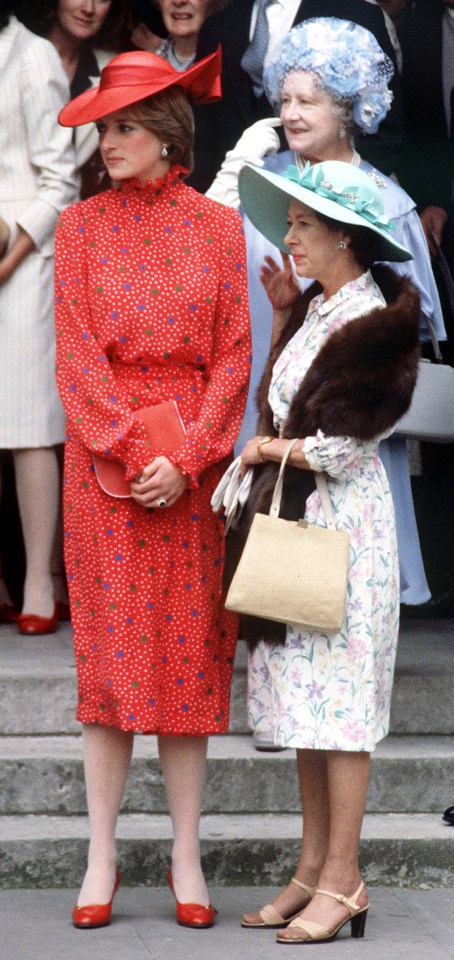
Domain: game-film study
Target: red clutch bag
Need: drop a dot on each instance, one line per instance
(164, 428)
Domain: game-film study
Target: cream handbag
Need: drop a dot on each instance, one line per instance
(292, 571)
(431, 413)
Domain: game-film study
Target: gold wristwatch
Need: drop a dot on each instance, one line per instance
(260, 443)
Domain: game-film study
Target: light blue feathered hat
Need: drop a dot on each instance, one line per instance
(347, 60)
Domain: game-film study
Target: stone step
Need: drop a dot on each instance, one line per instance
(44, 775)
(38, 674)
(396, 849)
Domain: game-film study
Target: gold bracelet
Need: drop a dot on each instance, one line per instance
(260, 443)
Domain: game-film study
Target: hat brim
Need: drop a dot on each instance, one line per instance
(201, 82)
(265, 198)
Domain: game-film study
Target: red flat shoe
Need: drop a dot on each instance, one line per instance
(8, 613)
(32, 625)
(192, 914)
(95, 914)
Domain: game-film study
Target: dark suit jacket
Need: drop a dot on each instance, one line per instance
(426, 165)
(428, 157)
(219, 126)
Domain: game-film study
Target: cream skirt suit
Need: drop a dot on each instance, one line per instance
(36, 182)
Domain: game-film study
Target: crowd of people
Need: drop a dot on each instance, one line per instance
(242, 220)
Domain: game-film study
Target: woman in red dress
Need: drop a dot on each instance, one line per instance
(151, 306)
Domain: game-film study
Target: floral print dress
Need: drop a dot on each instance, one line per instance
(151, 305)
(333, 691)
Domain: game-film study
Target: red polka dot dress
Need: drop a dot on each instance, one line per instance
(151, 305)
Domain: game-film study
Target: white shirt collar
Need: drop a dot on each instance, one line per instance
(281, 15)
(290, 7)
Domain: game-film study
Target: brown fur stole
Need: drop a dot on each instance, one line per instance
(359, 385)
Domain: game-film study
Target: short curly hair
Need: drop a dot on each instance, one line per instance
(347, 62)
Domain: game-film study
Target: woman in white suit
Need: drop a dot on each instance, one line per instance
(86, 34)
(36, 182)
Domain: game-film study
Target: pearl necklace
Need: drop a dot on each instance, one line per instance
(183, 61)
(355, 160)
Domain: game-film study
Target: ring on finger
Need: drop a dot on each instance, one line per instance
(161, 502)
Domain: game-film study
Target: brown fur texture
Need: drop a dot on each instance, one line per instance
(361, 381)
(359, 385)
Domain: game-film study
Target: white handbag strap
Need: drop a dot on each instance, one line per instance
(325, 500)
(322, 488)
(276, 501)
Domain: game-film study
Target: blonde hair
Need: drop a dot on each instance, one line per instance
(169, 115)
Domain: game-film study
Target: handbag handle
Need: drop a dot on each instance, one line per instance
(322, 488)
(449, 286)
(434, 339)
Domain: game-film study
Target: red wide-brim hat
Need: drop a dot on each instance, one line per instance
(131, 77)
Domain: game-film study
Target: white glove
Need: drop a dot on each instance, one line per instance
(232, 493)
(258, 141)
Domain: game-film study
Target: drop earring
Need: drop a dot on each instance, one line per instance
(342, 245)
(164, 152)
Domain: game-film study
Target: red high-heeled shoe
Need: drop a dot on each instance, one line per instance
(192, 914)
(95, 914)
(32, 625)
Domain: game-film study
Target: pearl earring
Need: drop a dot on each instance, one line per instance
(341, 244)
(164, 152)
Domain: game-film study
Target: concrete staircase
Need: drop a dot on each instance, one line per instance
(251, 823)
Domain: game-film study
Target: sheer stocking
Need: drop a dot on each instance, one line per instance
(183, 761)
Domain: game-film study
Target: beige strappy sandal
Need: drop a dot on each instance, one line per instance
(316, 933)
(269, 917)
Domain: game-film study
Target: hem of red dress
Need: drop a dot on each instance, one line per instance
(205, 731)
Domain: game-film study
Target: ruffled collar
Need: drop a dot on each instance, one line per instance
(365, 283)
(153, 187)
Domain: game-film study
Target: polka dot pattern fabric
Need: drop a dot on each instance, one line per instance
(151, 305)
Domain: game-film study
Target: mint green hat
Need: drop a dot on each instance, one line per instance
(335, 189)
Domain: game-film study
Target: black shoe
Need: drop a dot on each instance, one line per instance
(435, 608)
(448, 816)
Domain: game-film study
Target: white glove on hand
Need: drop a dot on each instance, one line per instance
(258, 141)
(232, 493)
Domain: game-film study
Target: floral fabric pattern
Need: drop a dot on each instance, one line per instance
(333, 691)
(151, 305)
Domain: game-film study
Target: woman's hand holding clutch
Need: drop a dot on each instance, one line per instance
(159, 484)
